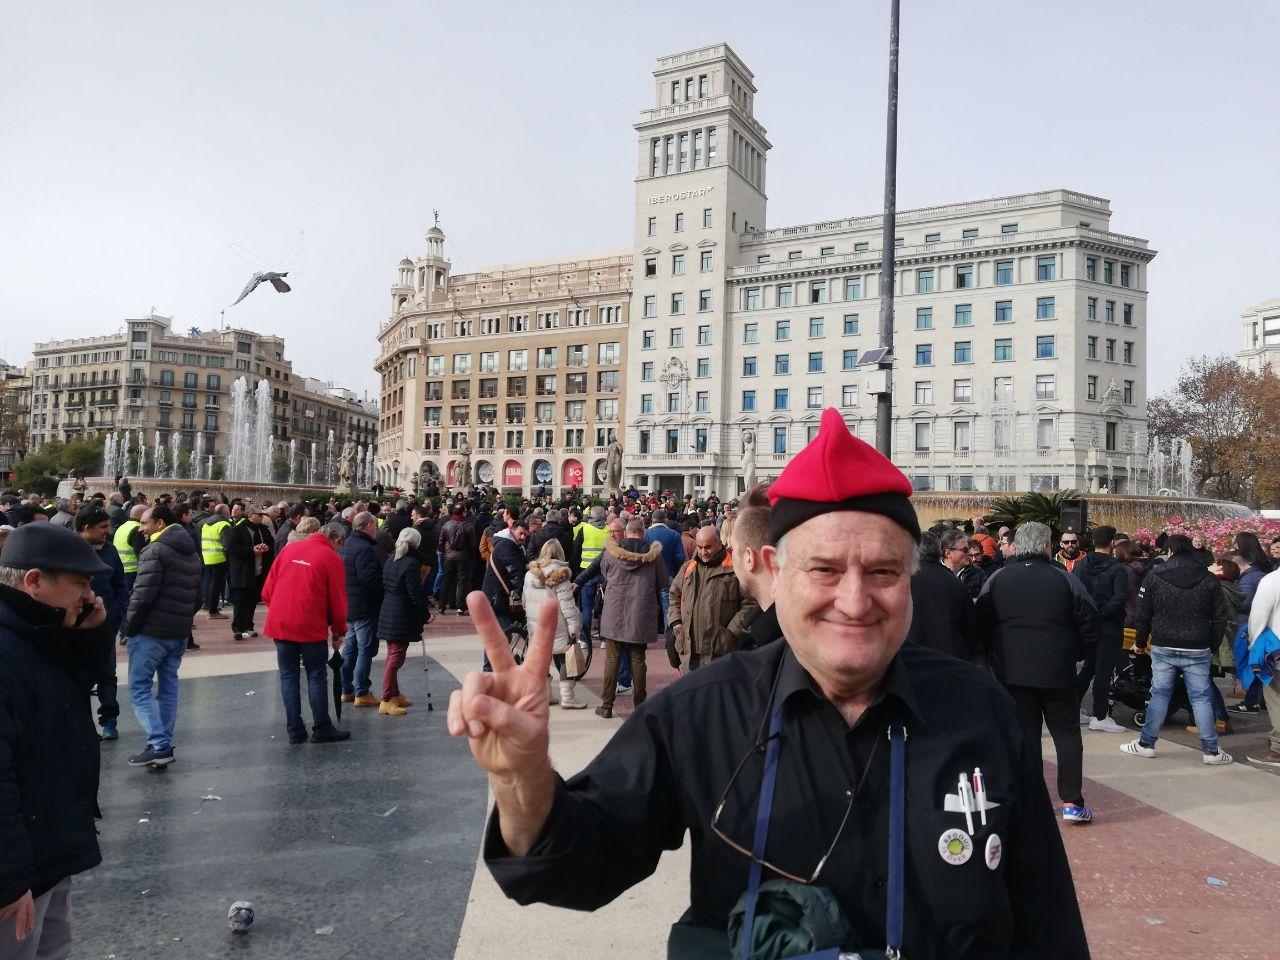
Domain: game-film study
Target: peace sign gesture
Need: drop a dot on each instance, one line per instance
(504, 715)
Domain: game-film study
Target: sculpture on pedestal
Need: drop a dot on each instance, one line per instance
(346, 468)
(748, 459)
(463, 475)
(613, 468)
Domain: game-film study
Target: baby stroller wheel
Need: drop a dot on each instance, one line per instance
(518, 639)
(1140, 717)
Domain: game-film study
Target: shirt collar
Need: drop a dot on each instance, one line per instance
(896, 684)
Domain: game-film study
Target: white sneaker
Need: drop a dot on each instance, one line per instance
(1136, 748)
(623, 690)
(1106, 725)
(1084, 718)
(1216, 759)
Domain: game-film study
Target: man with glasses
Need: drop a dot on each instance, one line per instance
(1070, 554)
(833, 768)
(955, 557)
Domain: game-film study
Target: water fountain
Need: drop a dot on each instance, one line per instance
(328, 461)
(293, 458)
(360, 482)
(175, 448)
(197, 455)
(369, 475)
(262, 430)
(311, 467)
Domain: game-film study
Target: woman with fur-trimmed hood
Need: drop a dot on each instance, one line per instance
(633, 574)
(548, 580)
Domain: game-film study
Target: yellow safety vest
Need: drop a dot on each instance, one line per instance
(128, 557)
(593, 539)
(211, 542)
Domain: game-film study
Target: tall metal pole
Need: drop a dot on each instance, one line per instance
(888, 277)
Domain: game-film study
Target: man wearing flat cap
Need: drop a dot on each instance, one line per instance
(840, 789)
(52, 638)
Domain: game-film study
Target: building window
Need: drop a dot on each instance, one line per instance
(1091, 308)
(704, 367)
(644, 441)
(646, 370)
(1091, 348)
(646, 403)
(650, 266)
(969, 233)
(1046, 386)
(1091, 268)
(1108, 271)
(922, 437)
(1004, 350)
(650, 305)
(780, 440)
(748, 366)
(818, 291)
(1112, 435)
(924, 318)
(1125, 275)
(795, 254)
(748, 401)
(924, 281)
(1044, 348)
(1128, 314)
(1046, 268)
(849, 395)
(679, 223)
(782, 330)
(751, 333)
(1128, 392)
(853, 288)
(850, 327)
(751, 298)
(1008, 228)
(784, 295)
(815, 362)
(700, 440)
(861, 247)
(781, 398)
(782, 363)
(1004, 272)
(646, 339)
(704, 301)
(704, 261)
(1044, 433)
(964, 277)
(1004, 389)
(760, 257)
(706, 212)
(461, 363)
(1110, 315)
(849, 360)
(675, 337)
(673, 441)
(704, 334)
(1044, 308)
(815, 328)
(961, 432)
(964, 315)
(1004, 311)
(827, 252)
(1128, 351)
(962, 391)
(653, 226)
(673, 402)
(702, 401)
(964, 351)
(924, 392)
(677, 264)
(1092, 393)
(1111, 351)
(677, 303)
(924, 354)
(813, 401)
(932, 237)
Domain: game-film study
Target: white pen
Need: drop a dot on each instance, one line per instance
(966, 800)
(980, 793)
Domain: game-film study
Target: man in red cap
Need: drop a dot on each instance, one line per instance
(886, 788)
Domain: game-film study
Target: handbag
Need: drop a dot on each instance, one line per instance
(573, 666)
(513, 596)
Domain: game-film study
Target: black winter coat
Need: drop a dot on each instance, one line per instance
(364, 578)
(430, 546)
(239, 540)
(48, 748)
(942, 615)
(508, 557)
(1036, 615)
(398, 520)
(166, 592)
(1181, 605)
(404, 601)
(110, 586)
(1108, 583)
(550, 531)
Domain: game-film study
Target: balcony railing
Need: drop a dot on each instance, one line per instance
(512, 451)
(576, 361)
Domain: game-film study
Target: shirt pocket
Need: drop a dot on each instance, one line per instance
(966, 886)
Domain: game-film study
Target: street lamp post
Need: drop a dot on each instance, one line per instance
(888, 279)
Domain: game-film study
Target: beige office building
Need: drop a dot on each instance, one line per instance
(524, 362)
(1260, 327)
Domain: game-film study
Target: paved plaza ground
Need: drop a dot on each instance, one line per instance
(370, 848)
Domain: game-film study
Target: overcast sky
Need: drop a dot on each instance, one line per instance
(139, 139)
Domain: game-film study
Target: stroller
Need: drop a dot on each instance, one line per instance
(1132, 687)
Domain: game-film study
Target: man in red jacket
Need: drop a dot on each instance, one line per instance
(306, 597)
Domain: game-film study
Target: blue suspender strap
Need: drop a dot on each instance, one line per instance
(762, 827)
(897, 829)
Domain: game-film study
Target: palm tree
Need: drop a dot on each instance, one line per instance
(1043, 508)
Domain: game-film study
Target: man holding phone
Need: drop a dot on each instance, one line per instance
(50, 647)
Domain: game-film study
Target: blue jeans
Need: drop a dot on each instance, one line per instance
(1166, 664)
(435, 584)
(155, 658)
(588, 594)
(359, 647)
(314, 656)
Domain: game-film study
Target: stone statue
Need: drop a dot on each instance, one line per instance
(613, 468)
(346, 468)
(748, 459)
(463, 475)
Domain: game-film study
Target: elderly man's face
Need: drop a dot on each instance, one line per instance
(843, 596)
(707, 543)
(68, 591)
(614, 528)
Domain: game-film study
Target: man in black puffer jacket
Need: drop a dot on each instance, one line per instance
(52, 636)
(162, 608)
(1184, 612)
(1037, 617)
(1108, 583)
(364, 603)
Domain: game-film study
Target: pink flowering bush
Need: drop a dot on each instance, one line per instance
(1218, 534)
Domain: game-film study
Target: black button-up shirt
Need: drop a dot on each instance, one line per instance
(665, 770)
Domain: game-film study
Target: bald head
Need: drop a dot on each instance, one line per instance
(707, 542)
(136, 512)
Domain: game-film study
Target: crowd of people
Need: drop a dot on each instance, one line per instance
(1048, 618)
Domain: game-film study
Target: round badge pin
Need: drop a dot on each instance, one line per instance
(955, 847)
(994, 851)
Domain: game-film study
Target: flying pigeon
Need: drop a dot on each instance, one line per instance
(273, 277)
